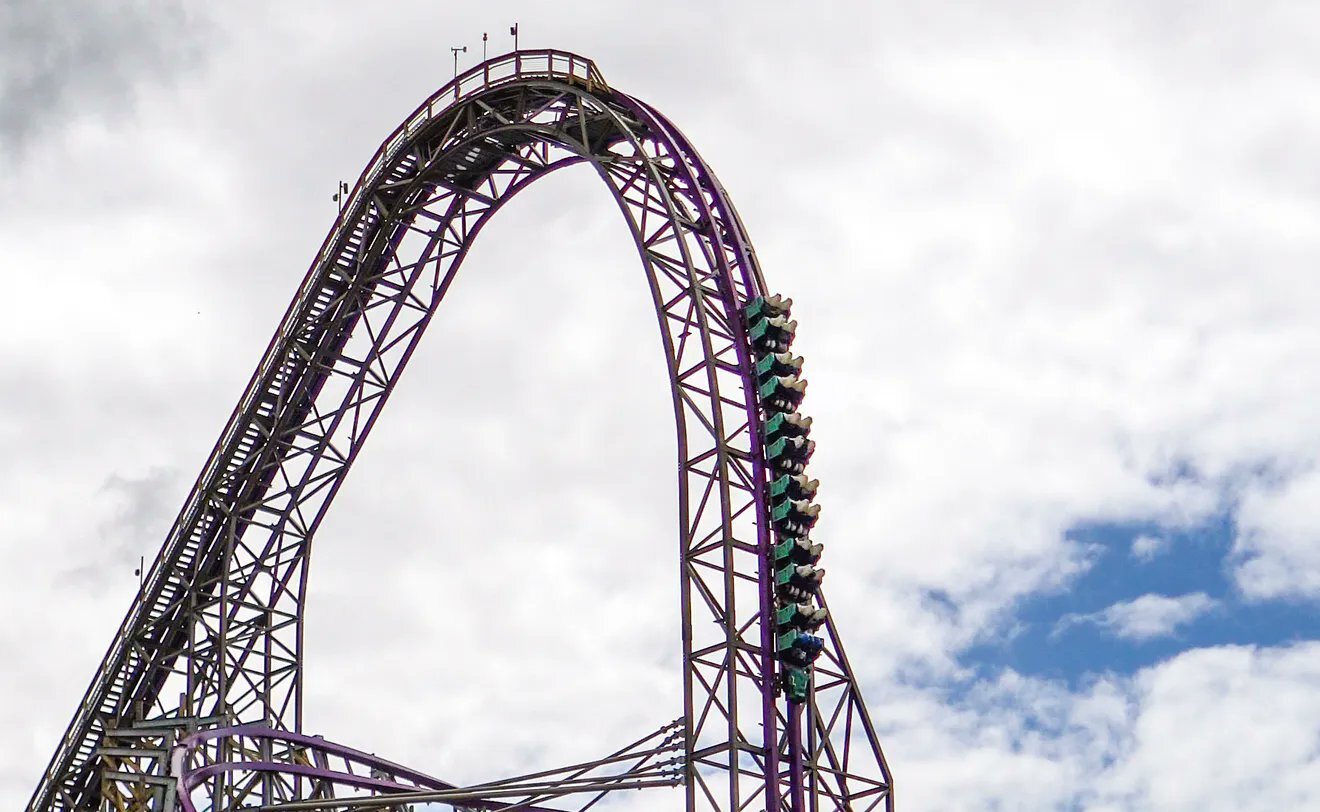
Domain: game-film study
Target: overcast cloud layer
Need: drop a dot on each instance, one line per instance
(1055, 269)
(60, 58)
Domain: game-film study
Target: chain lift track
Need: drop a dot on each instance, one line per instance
(216, 631)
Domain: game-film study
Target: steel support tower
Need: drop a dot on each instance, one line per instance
(197, 705)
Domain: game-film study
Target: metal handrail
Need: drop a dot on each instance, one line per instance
(506, 69)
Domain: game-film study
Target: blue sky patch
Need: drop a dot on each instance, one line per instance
(1068, 636)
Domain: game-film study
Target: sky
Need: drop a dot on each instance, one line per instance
(1053, 265)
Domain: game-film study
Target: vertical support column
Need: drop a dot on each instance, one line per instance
(793, 731)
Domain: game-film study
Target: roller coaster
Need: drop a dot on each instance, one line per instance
(198, 705)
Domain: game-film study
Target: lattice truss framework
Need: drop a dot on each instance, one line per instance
(217, 630)
(275, 770)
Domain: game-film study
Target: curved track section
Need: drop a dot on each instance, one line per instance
(325, 776)
(317, 769)
(217, 631)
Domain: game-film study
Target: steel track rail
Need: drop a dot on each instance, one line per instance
(217, 628)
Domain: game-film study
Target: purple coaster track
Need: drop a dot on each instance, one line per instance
(216, 632)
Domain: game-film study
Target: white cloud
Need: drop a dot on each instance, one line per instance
(56, 65)
(1264, 702)
(1146, 617)
(1158, 740)
(1144, 548)
(1277, 550)
(1042, 260)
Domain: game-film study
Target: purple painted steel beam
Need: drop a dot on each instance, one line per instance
(190, 777)
(704, 178)
(690, 240)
